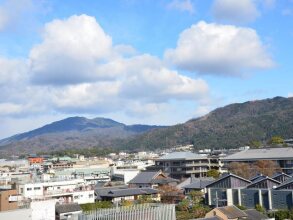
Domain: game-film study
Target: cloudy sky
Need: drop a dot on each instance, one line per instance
(139, 61)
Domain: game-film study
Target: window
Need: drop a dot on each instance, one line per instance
(91, 196)
(28, 189)
(75, 197)
(37, 188)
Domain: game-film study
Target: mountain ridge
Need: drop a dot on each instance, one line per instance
(230, 126)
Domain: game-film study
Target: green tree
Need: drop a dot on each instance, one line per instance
(275, 140)
(255, 144)
(213, 173)
(259, 208)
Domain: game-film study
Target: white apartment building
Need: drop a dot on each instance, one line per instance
(65, 191)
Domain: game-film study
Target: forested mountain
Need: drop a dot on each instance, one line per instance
(231, 126)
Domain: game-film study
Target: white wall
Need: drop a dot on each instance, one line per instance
(84, 197)
(44, 210)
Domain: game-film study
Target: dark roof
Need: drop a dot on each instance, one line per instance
(113, 193)
(287, 182)
(257, 176)
(232, 212)
(144, 177)
(199, 183)
(262, 179)
(277, 174)
(227, 175)
(149, 177)
(252, 214)
(66, 208)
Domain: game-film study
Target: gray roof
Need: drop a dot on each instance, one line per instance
(252, 214)
(277, 174)
(149, 177)
(277, 153)
(144, 177)
(67, 208)
(199, 183)
(114, 193)
(181, 156)
(232, 212)
(287, 182)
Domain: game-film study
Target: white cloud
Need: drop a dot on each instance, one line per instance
(235, 11)
(219, 49)
(76, 69)
(181, 5)
(70, 51)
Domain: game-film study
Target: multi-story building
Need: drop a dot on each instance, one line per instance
(283, 156)
(75, 190)
(182, 165)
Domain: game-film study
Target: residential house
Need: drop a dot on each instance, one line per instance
(68, 211)
(151, 179)
(118, 194)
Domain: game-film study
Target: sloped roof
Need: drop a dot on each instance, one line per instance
(199, 183)
(144, 177)
(227, 175)
(232, 212)
(67, 208)
(287, 182)
(277, 174)
(257, 176)
(260, 154)
(261, 179)
(181, 155)
(209, 218)
(252, 214)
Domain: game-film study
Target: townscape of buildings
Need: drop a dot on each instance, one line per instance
(43, 187)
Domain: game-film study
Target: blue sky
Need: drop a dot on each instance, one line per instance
(139, 61)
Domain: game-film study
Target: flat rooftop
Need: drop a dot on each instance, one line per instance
(278, 153)
(181, 156)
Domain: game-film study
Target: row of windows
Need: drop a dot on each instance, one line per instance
(35, 188)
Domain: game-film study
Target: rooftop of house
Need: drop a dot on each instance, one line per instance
(66, 208)
(181, 156)
(199, 183)
(149, 177)
(232, 212)
(277, 153)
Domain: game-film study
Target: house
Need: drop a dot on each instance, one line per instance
(233, 213)
(229, 180)
(198, 184)
(151, 179)
(67, 211)
(118, 194)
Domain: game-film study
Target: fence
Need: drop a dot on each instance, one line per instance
(135, 212)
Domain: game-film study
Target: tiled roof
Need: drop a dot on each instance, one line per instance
(232, 212)
(252, 214)
(66, 208)
(199, 183)
(144, 177)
